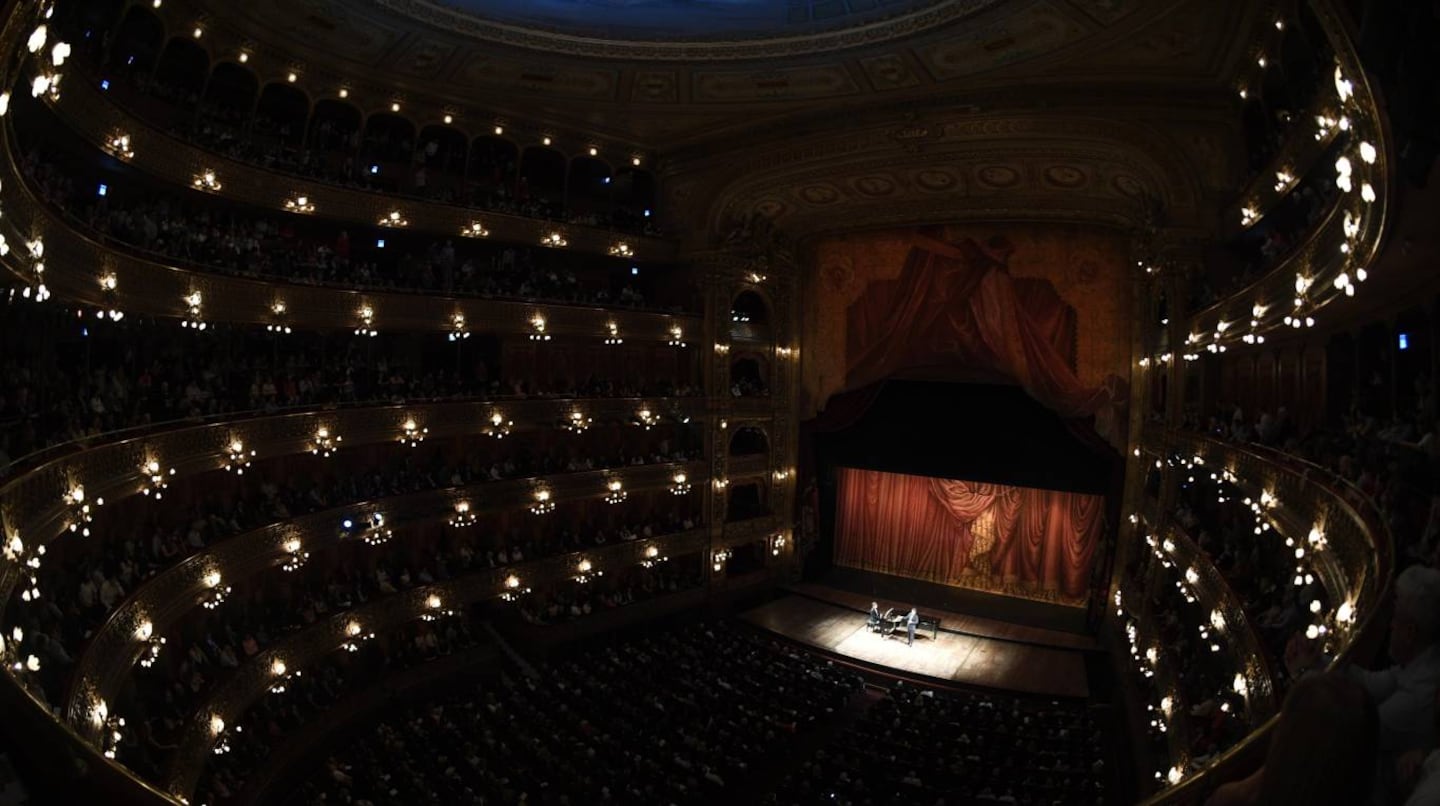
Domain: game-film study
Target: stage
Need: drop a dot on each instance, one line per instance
(982, 653)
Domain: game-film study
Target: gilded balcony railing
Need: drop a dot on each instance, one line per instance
(111, 654)
(1336, 257)
(1340, 542)
(95, 116)
(38, 507)
(254, 678)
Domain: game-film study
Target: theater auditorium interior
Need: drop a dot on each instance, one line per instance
(775, 402)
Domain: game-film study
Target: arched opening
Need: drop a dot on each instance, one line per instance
(748, 441)
(280, 116)
(440, 163)
(385, 149)
(541, 189)
(491, 172)
(335, 129)
(748, 307)
(745, 501)
(634, 200)
(229, 97)
(137, 43)
(748, 377)
(180, 73)
(588, 191)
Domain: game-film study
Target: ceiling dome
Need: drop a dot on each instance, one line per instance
(688, 28)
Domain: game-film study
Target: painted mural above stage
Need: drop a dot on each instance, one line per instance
(995, 538)
(1042, 306)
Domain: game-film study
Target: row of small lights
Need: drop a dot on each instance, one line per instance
(457, 327)
(1351, 177)
(292, 76)
(355, 635)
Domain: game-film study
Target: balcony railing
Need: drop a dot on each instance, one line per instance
(253, 680)
(1349, 552)
(94, 115)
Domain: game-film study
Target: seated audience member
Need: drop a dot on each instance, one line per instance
(1418, 773)
(1322, 751)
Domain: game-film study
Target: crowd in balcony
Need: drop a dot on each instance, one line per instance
(181, 227)
(341, 678)
(683, 716)
(86, 582)
(936, 747)
(211, 644)
(81, 378)
(221, 108)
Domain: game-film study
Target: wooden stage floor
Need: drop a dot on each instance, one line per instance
(973, 660)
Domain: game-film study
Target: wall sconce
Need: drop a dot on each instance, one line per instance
(155, 478)
(376, 533)
(587, 572)
(499, 427)
(721, 484)
(355, 635)
(145, 634)
(577, 422)
(282, 676)
(756, 277)
(118, 145)
(613, 333)
(297, 556)
(677, 336)
(554, 240)
(777, 545)
(458, 331)
(299, 204)
(411, 433)
(474, 229)
(513, 590)
(393, 219)
(615, 491)
(237, 458)
(542, 505)
(718, 560)
(206, 181)
(680, 484)
(194, 302)
(367, 322)
(435, 609)
(1283, 179)
(108, 283)
(1247, 216)
(537, 323)
(80, 514)
(782, 474)
(653, 557)
(621, 249)
(325, 443)
(721, 349)
(786, 352)
(277, 309)
(646, 419)
(464, 516)
(218, 592)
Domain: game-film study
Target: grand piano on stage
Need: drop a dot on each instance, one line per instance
(892, 623)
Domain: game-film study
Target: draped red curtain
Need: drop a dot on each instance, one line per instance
(1017, 540)
(956, 310)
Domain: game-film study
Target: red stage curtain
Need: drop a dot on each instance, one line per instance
(1043, 540)
(955, 311)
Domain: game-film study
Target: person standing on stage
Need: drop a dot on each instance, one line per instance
(873, 621)
(911, 621)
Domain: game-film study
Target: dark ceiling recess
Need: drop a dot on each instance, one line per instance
(975, 431)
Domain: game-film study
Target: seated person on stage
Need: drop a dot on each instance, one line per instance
(873, 620)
